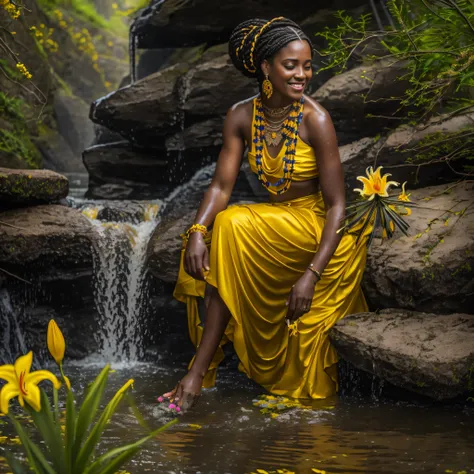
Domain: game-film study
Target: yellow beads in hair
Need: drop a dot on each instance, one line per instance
(252, 68)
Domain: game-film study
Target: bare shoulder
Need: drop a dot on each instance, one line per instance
(315, 113)
(241, 111)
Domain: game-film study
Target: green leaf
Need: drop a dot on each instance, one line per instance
(50, 432)
(35, 457)
(119, 461)
(98, 465)
(90, 445)
(70, 429)
(14, 464)
(87, 413)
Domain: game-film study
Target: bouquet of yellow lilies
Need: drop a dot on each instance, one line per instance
(69, 448)
(377, 209)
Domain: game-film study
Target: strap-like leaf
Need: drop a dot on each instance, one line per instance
(88, 448)
(14, 464)
(35, 457)
(97, 466)
(87, 413)
(50, 432)
(70, 435)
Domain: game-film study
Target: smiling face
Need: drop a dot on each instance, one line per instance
(290, 69)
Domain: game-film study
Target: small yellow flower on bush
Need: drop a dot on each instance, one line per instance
(23, 384)
(10, 8)
(22, 68)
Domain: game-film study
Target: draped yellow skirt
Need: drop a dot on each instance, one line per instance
(258, 251)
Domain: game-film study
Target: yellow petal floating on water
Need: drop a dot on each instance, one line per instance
(319, 471)
(261, 471)
(91, 212)
(194, 426)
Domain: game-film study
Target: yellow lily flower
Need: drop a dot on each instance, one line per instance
(23, 384)
(56, 342)
(403, 196)
(375, 183)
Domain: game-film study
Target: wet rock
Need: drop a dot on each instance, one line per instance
(143, 111)
(164, 248)
(401, 153)
(432, 269)
(122, 171)
(48, 237)
(349, 97)
(31, 186)
(201, 134)
(429, 354)
(128, 211)
(177, 24)
(211, 88)
(57, 154)
(73, 124)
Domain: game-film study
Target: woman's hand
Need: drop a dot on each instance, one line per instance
(301, 296)
(187, 392)
(196, 256)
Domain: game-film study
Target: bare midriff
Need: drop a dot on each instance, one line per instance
(297, 189)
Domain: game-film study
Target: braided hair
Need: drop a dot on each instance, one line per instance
(255, 40)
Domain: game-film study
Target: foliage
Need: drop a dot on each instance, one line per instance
(68, 443)
(435, 40)
(15, 141)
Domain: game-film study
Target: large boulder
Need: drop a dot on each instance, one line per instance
(429, 354)
(144, 110)
(31, 186)
(432, 269)
(47, 237)
(351, 96)
(177, 215)
(404, 151)
(209, 89)
(190, 23)
(122, 171)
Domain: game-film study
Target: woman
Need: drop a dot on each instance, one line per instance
(278, 276)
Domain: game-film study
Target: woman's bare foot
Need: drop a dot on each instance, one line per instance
(187, 391)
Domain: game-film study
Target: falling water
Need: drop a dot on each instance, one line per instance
(120, 282)
(13, 342)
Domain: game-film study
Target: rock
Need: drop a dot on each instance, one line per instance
(429, 354)
(122, 171)
(177, 24)
(73, 124)
(121, 211)
(211, 88)
(57, 154)
(399, 154)
(31, 186)
(177, 215)
(349, 97)
(165, 246)
(49, 237)
(142, 111)
(432, 269)
(200, 134)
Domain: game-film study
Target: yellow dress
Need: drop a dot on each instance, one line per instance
(257, 252)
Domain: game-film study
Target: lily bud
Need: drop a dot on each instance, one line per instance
(56, 342)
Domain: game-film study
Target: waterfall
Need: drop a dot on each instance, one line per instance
(13, 342)
(120, 284)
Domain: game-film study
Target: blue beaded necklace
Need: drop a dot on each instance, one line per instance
(290, 137)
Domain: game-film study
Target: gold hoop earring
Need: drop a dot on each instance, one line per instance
(267, 87)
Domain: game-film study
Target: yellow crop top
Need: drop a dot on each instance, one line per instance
(305, 160)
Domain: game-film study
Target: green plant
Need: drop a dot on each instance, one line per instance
(72, 450)
(435, 42)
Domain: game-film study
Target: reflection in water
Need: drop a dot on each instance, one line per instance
(227, 434)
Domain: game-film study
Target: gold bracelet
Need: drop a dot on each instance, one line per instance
(194, 228)
(311, 269)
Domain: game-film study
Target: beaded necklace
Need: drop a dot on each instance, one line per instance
(290, 135)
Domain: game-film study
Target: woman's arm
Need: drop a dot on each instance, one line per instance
(323, 139)
(218, 194)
